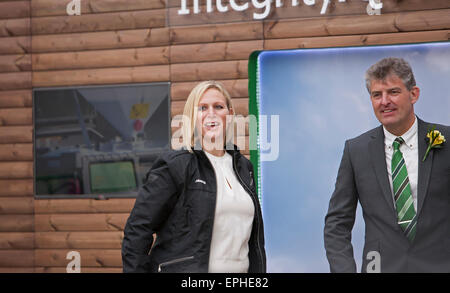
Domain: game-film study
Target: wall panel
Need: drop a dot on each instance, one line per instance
(121, 41)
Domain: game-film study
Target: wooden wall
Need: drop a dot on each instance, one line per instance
(16, 136)
(123, 41)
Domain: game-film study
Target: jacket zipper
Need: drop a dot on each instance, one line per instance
(257, 211)
(170, 262)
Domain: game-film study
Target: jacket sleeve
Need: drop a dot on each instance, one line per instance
(340, 218)
(153, 205)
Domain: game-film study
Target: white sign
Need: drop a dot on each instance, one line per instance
(373, 7)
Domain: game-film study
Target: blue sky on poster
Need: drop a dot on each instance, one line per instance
(321, 98)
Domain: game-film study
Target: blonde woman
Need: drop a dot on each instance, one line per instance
(200, 202)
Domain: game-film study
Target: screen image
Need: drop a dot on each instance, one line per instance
(98, 139)
(112, 176)
(320, 100)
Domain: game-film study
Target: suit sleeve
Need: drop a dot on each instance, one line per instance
(153, 206)
(340, 218)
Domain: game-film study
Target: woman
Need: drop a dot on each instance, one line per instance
(200, 202)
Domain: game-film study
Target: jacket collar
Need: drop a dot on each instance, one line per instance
(232, 149)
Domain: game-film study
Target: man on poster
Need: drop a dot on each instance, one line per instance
(400, 174)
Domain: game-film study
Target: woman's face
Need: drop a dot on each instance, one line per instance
(212, 118)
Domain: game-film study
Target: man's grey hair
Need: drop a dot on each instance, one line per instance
(388, 66)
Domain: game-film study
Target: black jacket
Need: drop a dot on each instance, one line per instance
(177, 202)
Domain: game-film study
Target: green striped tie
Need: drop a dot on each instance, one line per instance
(404, 203)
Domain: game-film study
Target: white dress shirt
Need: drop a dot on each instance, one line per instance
(233, 220)
(410, 151)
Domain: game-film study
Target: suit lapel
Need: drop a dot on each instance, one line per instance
(424, 166)
(376, 148)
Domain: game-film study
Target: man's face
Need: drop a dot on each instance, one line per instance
(393, 103)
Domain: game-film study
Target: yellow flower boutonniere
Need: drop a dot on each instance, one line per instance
(435, 140)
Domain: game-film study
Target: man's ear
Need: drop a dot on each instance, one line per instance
(415, 93)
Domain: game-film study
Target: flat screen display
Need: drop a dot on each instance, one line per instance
(320, 99)
(112, 176)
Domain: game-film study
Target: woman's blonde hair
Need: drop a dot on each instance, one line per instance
(191, 110)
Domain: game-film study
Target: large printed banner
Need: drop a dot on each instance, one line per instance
(307, 102)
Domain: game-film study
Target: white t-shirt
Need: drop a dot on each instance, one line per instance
(232, 221)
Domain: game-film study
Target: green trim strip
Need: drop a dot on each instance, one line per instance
(253, 109)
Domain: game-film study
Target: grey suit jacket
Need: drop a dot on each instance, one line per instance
(363, 177)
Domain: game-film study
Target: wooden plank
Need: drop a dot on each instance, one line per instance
(16, 258)
(15, 63)
(16, 187)
(14, 9)
(222, 51)
(101, 40)
(237, 88)
(15, 80)
(15, 27)
(16, 223)
(16, 152)
(352, 7)
(411, 37)
(101, 76)
(16, 205)
(352, 25)
(16, 170)
(216, 33)
(16, 99)
(80, 222)
(78, 240)
(209, 70)
(15, 45)
(89, 257)
(88, 270)
(357, 40)
(16, 134)
(101, 58)
(410, 5)
(81, 206)
(423, 20)
(16, 116)
(16, 240)
(10, 270)
(52, 7)
(98, 22)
